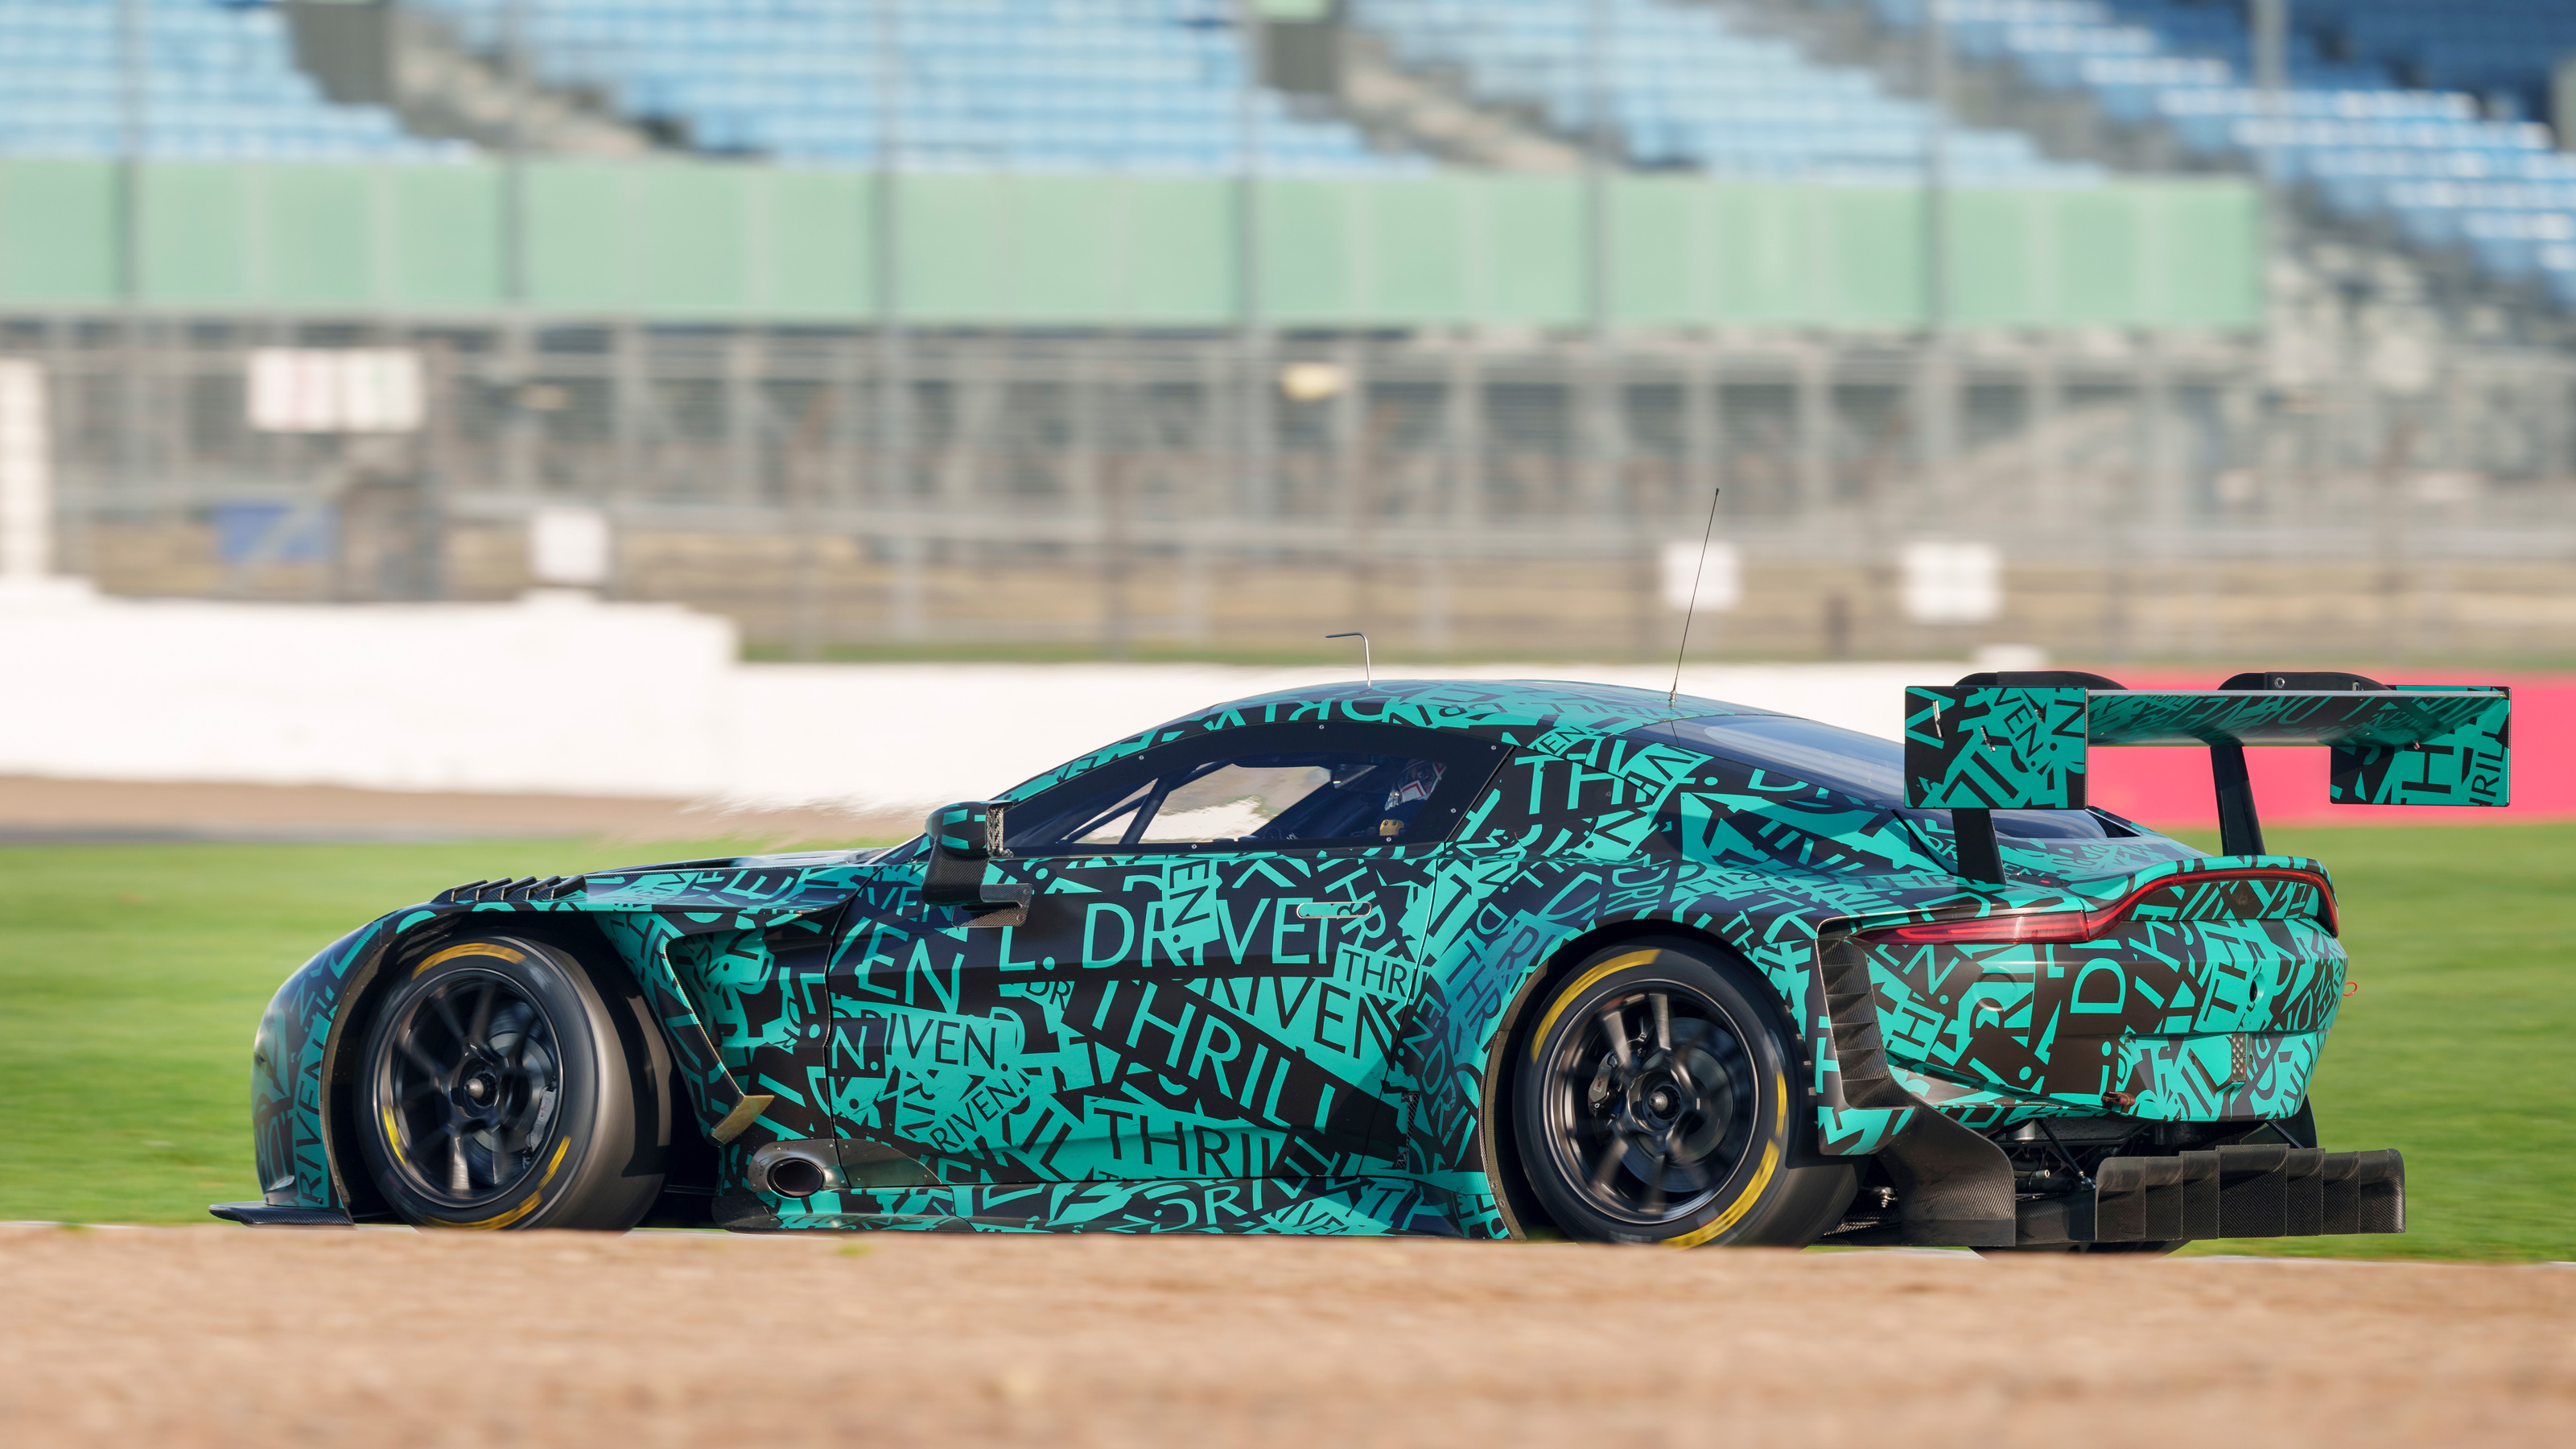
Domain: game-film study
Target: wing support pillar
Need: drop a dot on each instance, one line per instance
(2240, 830)
(1981, 854)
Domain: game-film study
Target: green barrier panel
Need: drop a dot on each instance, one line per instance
(727, 241)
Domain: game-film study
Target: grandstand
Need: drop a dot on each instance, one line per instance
(2405, 115)
(1022, 85)
(2398, 112)
(1154, 85)
(1114, 127)
(911, 321)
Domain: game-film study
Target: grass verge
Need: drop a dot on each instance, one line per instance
(132, 977)
(2460, 1049)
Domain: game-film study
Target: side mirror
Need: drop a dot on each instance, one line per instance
(962, 838)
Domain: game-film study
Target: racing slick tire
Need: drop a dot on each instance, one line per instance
(1653, 1104)
(505, 1083)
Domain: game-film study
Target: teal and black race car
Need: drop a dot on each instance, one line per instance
(1474, 959)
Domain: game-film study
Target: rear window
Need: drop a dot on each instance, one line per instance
(1847, 762)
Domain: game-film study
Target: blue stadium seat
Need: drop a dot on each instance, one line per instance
(220, 82)
(1058, 85)
(1689, 91)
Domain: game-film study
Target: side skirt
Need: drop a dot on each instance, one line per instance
(1447, 1205)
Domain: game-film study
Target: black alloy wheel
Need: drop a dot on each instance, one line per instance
(1650, 1103)
(474, 1082)
(506, 1083)
(1653, 1103)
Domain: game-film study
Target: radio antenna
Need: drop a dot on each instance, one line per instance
(1367, 669)
(1697, 569)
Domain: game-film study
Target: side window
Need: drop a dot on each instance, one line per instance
(1263, 786)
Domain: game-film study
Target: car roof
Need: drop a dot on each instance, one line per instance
(1452, 704)
(1472, 703)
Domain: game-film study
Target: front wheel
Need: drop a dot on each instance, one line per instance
(507, 1085)
(1653, 1104)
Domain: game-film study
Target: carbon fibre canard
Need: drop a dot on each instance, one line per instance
(1302, 1041)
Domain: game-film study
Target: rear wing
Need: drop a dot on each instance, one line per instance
(2018, 742)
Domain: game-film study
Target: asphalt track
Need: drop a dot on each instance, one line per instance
(215, 1335)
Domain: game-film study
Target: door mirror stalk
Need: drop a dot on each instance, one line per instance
(964, 838)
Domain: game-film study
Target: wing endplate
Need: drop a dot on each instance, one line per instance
(2468, 764)
(1979, 748)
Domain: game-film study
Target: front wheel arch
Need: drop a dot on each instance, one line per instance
(491, 1006)
(574, 933)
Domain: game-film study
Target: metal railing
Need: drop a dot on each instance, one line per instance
(1457, 492)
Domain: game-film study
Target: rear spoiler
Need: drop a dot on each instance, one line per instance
(2017, 742)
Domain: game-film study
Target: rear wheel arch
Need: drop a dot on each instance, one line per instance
(1781, 1193)
(1514, 1197)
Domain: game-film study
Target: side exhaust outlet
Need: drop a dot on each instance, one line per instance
(805, 1166)
(796, 1177)
(795, 1169)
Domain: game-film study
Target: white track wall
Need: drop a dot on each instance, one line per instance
(560, 695)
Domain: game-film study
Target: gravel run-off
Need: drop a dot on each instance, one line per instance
(188, 1336)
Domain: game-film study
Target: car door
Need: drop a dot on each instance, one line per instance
(1204, 983)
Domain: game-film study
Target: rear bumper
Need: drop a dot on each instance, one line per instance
(2227, 1192)
(264, 1215)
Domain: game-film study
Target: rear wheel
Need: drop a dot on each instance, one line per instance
(507, 1085)
(1653, 1104)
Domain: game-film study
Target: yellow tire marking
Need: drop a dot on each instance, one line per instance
(523, 1209)
(504, 1220)
(475, 948)
(1735, 1211)
(1556, 1008)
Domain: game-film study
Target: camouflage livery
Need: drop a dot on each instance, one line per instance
(2205, 1002)
(1300, 1040)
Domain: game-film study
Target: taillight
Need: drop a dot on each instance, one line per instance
(1991, 930)
(2013, 928)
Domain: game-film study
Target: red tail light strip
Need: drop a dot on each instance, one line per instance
(2047, 926)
